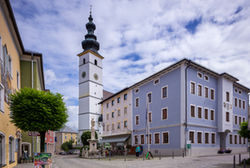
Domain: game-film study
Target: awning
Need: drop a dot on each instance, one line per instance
(117, 139)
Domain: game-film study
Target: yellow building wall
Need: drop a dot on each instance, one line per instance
(6, 127)
(67, 137)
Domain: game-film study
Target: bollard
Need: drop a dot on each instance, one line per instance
(125, 155)
(143, 156)
(183, 154)
(239, 159)
(244, 163)
(234, 162)
(160, 156)
(172, 155)
(109, 155)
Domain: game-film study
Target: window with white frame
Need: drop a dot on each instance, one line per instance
(212, 94)
(149, 97)
(11, 150)
(191, 136)
(199, 90)
(1, 98)
(206, 92)
(118, 125)
(230, 139)
(107, 105)
(149, 116)
(199, 74)
(118, 112)
(199, 137)
(243, 118)
(165, 138)
(243, 104)
(213, 138)
(137, 120)
(157, 138)
(239, 103)
(235, 102)
(136, 139)
(142, 139)
(227, 117)
(192, 110)
(156, 81)
(150, 138)
(113, 126)
(206, 113)
(125, 124)
(240, 139)
(199, 112)
(212, 114)
(235, 120)
(206, 138)
(137, 102)
(164, 113)
(164, 92)
(2, 149)
(192, 87)
(239, 120)
(206, 78)
(235, 139)
(125, 110)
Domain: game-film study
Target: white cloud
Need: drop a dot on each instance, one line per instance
(153, 29)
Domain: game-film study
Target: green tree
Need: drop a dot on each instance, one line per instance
(66, 146)
(244, 132)
(85, 136)
(35, 110)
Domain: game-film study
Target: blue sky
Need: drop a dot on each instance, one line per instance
(138, 38)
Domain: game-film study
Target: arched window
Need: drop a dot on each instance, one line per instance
(11, 150)
(2, 149)
(95, 62)
(83, 60)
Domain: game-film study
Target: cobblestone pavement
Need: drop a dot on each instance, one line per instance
(72, 161)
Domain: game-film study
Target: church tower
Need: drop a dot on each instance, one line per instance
(90, 80)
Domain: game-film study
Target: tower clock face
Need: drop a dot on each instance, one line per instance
(83, 74)
(96, 76)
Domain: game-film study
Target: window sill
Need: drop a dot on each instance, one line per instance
(3, 165)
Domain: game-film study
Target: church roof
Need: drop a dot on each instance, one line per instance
(106, 94)
(67, 129)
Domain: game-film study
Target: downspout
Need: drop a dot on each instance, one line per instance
(188, 65)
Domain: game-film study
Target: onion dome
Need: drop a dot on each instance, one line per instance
(90, 42)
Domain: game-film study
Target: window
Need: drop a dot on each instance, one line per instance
(199, 90)
(156, 81)
(206, 114)
(212, 114)
(142, 139)
(239, 103)
(192, 88)
(227, 96)
(137, 118)
(235, 90)
(2, 149)
(149, 95)
(84, 61)
(103, 128)
(108, 127)
(112, 102)
(199, 75)
(192, 109)
(213, 138)
(118, 100)
(206, 138)
(107, 116)
(137, 102)
(11, 150)
(212, 94)
(136, 90)
(191, 136)
(243, 118)
(95, 62)
(136, 139)
(125, 96)
(243, 104)
(239, 91)
(150, 139)
(107, 105)
(235, 139)
(244, 141)
(165, 138)
(227, 117)
(206, 92)
(1, 97)
(199, 112)
(206, 78)
(239, 120)
(125, 124)
(118, 125)
(164, 114)
(113, 126)
(17, 80)
(164, 91)
(149, 117)
(235, 120)
(235, 102)
(118, 112)
(157, 138)
(199, 137)
(239, 139)
(113, 114)
(231, 139)
(125, 110)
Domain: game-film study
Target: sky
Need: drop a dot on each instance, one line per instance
(137, 39)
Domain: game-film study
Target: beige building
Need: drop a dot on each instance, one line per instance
(117, 116)
(65, 134)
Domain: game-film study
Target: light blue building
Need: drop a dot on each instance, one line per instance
(189, 104)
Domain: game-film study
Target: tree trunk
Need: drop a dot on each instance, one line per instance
(42, 135)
